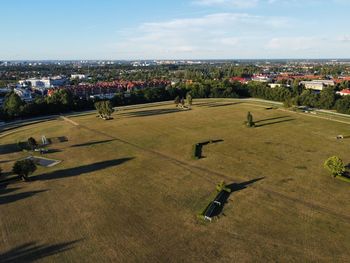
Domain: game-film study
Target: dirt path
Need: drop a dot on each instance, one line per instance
(69, 120)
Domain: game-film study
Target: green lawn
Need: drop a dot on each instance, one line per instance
(128, 190)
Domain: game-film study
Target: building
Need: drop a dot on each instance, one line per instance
(262, 78)
(44, 83)
(318, 84)
(78, 76)
(24, 94)
(239, 79)
(344, 92)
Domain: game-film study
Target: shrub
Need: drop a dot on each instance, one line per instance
(335, 165)
(250, 122)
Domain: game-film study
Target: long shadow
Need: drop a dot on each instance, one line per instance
(241, 186)
(272, 123)
(80, 170)
(9, 148)
(271, 119)
(205, 104)
(223, 196)
(53, 151)
(146, 113)
(216, 104)
(7, 161)
(31, 252)
(91, 143)
(8, 178)
(59, 139)
(16, 197)
(4, 190)
(224, 105)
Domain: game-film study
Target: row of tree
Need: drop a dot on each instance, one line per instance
(60, 102)
(63, 101)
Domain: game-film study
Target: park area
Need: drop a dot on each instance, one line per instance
(129, 190)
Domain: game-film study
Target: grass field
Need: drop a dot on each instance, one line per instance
(127, 190)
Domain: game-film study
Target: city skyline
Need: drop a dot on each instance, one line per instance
(198, 29)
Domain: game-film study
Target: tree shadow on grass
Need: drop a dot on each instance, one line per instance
(216, 104)
(31, 252)
(7, 161)
(272, 123)
(9, 148)
(80, 170)
(241, 186)
(146, 113)
(223, 196)
(272, 119)
(53, 151)
(16, 197)
(91, 143)
(224, 105)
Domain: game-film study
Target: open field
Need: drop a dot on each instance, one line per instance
(127, 190)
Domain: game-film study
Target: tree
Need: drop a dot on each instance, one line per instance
(335, 165)
(32, 144)
(12, 105)
(104, 109)
(23, 168)
(189, 100)
(108, 109)
(343, 105)
(250, 122)
(327, 98)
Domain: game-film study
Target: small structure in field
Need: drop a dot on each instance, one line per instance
(44, 140)
(215, 207)
(45, 162)
(340, 137)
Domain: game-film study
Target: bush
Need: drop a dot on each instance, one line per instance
(250, 122)
(335, 165)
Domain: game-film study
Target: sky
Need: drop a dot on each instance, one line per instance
(174, 29)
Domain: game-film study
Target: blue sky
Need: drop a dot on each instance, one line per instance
(169, 29)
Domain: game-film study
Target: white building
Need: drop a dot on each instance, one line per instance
(45, 83)
(318, 84)
(262, 78)
(78, 76)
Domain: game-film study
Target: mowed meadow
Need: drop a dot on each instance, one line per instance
(128, 189)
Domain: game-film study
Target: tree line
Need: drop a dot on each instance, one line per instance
(64, 101)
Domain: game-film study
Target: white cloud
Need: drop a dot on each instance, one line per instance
(345, 38)
(228, 3)
(214, 35)
(293, 43)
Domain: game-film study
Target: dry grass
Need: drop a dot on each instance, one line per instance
(128, 191)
